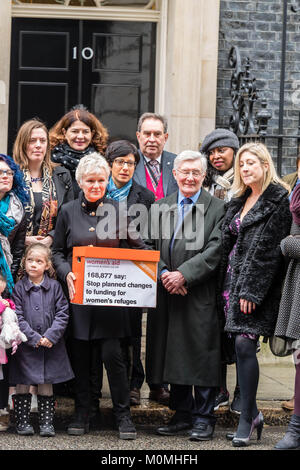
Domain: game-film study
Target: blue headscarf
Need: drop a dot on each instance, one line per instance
(112, 192)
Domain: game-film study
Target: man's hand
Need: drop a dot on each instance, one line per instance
(173, 282)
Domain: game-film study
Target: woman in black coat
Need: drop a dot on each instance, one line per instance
(123, 157)
(92, 326)
(257, 219)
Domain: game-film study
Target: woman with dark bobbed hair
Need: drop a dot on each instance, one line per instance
(123, 157)
(77, 134)
(13, 196)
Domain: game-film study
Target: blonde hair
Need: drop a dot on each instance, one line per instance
(22, 140)
(260, 151)
(46, 250)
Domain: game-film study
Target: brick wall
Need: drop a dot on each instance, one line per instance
(256, 28)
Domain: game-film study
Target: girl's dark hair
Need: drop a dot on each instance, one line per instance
(121, 148)
(19, 186)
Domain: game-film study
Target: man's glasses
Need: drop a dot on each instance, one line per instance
(9, 173)
(120, 163)
(194, 173)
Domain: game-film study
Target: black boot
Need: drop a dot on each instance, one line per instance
(80, 424)
(22, 405)
(95, 415)
(126, 427)
(46, 414)
(291, 440)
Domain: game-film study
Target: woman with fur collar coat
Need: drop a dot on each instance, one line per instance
(251, 270)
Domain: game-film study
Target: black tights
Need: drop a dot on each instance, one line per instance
(248, 372)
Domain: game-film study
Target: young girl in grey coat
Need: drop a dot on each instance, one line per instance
(43, 315)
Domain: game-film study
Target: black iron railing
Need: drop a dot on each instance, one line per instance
(250, 116)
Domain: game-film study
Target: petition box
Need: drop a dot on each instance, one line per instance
(115, 277)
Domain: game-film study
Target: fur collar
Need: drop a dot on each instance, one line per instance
(265, 205)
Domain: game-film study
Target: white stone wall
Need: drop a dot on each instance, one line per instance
(5, 32)
(191, 71)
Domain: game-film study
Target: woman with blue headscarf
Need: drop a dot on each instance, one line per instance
(13, 196)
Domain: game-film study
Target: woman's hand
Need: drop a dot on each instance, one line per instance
(38, 239)
(246, 306)
(47, 241)
(70, 283)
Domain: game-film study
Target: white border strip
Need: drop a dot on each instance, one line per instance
(87, 13)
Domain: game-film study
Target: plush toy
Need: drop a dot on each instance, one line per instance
(10, 334)
(10, 331)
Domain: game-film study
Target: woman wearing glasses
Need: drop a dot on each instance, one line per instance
(123, 157)
(12, 237)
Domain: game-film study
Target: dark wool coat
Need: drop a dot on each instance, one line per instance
(42, 311)
(183, 334)
(76, 226)
(138, 195)
(258, 263)
(17, 245)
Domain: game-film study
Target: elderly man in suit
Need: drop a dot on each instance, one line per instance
(183, 339)
(154, 170)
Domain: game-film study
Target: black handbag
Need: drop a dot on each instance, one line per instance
(280, 346)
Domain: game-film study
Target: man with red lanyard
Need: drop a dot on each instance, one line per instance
(154, 171)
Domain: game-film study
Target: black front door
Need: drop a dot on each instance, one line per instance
(108, 66)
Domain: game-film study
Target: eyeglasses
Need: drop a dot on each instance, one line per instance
(194, 173)
(9, 173)
(120, 163)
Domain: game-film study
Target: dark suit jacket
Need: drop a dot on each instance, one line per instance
(169, 182)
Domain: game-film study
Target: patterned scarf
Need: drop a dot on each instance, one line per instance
(222, 184)
(49, 204)
(68, 157)
(119, 194)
